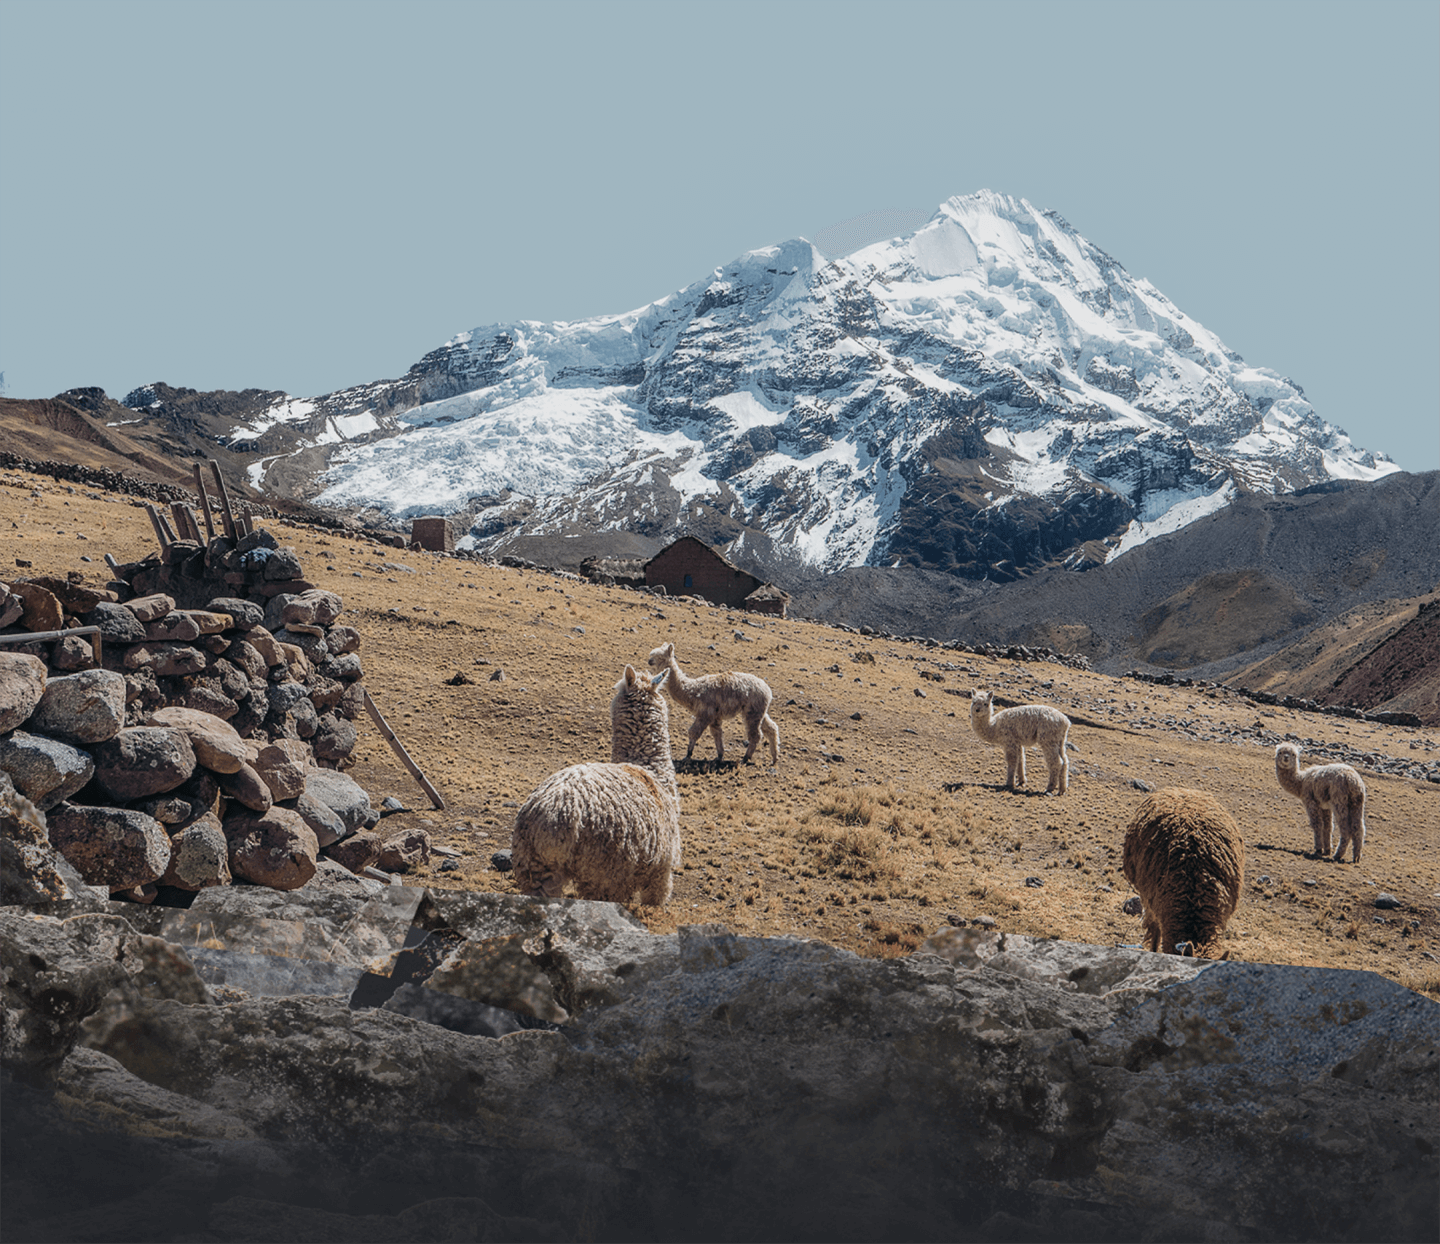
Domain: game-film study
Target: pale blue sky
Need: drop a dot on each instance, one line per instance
(306, 195)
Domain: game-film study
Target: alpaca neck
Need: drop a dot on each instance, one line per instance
(680, 687)
(984, 725)
(648, 747)
(1289, 779)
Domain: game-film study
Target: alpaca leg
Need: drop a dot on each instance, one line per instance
(697, 728)
(772, 739)
(1010, 766)
(719, 740)
(752, 735)
(1320, 825)
(1058, 772)
(1020, 766)
(1152, 933)
(1350, 825)
(656, 891)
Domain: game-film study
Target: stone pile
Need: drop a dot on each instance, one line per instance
(205, 739)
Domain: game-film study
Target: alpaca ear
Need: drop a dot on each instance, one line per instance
(629, 675)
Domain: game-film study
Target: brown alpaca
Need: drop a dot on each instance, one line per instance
(1186, 859)
(714, 697)
(1334, 799)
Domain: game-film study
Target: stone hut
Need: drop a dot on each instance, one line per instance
(432, 533)
(768, 599)
(690, 567)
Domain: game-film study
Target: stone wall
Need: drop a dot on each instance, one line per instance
(207, 740)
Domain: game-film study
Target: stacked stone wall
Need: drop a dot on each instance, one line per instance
(208, 740)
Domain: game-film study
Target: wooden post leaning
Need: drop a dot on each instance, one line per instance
(184, 522)
(399, 749)
(155, 523)
(227, 515)
(204, 504)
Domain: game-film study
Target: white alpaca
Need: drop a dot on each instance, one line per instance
(613, 828)
(1334, 798)
(714, 697)
(1015, 729)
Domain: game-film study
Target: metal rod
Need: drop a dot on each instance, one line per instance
(42, 637)
(399, 749)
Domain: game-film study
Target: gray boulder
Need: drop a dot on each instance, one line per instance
(343, 796)
(113, 847)
(44, 770)
(22, 683)
(143, 760)
(85, 708)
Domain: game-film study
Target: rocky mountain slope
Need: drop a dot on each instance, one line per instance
(986, 396)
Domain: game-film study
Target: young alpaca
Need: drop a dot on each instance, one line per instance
(1015, 729)
(1186, 859)
(1334, 798)
(714, 697)
(612, 828)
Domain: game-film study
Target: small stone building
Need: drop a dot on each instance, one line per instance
(433, 534)
(690, 567)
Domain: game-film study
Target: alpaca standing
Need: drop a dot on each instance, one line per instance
(612, 828)
(1334, 798)
(1015, 729)
(714, 697)
(1186, 859)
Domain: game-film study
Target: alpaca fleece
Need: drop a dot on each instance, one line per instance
(610, 829)
(1186, 859)
(1026, 725)
(1334, 799)
(714, 697)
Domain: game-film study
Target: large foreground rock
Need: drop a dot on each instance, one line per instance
(710, 1086)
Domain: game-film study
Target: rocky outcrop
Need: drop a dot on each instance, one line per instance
(345, 1083)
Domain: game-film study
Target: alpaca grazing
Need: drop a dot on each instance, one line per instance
(1186, 859)
(1334, 799)
(612, 829)
(714, 697)
(1015, 729)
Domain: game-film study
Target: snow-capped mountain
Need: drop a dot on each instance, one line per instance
(987, 394)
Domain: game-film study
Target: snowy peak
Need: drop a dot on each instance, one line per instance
(988, 393)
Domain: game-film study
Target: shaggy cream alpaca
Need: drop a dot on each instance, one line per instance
(611, 829)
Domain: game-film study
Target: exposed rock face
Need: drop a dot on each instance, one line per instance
(274, 848)
(729, 1087)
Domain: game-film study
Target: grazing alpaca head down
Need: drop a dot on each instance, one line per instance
(1334, 799)
(611, 829)
(1015, 729)
(1186, 859)
(714, 697)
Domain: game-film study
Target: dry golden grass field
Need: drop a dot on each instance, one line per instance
(887, 817)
